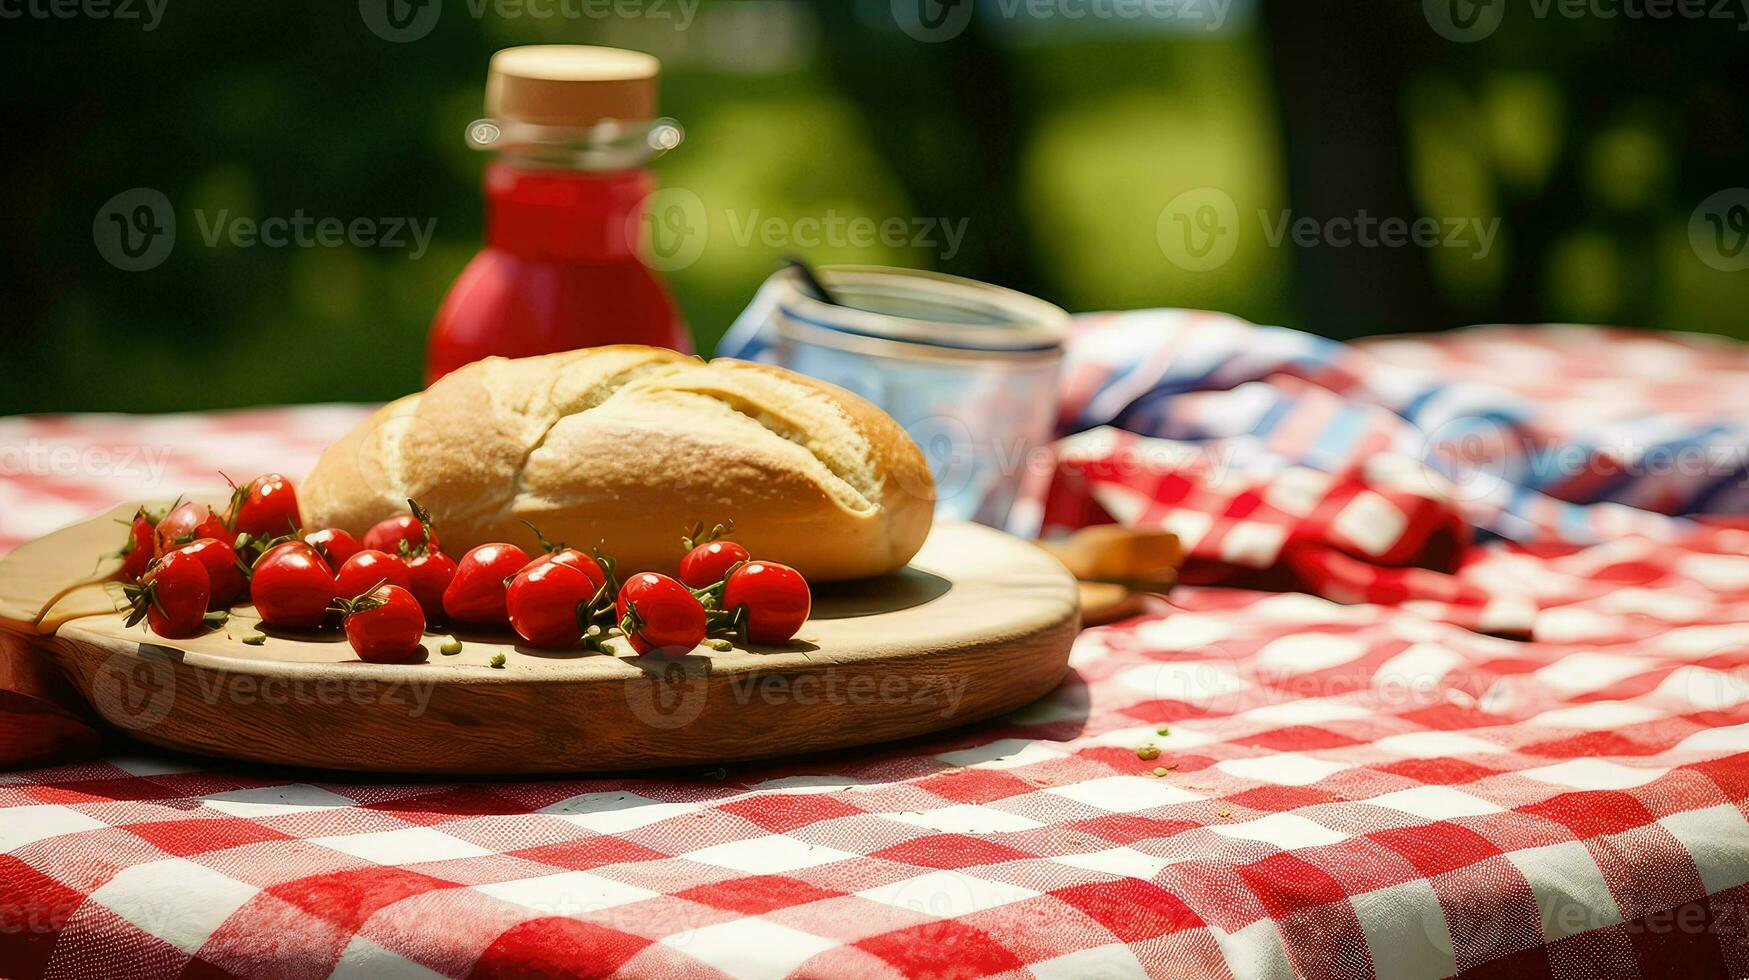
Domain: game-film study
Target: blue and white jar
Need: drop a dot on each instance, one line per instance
(969, 369)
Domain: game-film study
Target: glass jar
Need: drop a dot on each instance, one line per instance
(968, 369)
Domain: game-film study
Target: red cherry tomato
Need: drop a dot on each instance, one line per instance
(391, 533)
(431, 573)
(368, 569)
(545, 600)
(659, 614)
(568, 556)
(776, 597)
(190, 522)
(708, 563)
(385, 627)
(172, 596)
(334, 545)
(141, 547)
(476, 594)
(224, 573)
(266, 508)
(292, 586)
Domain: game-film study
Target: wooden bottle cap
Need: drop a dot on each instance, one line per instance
(571, 85)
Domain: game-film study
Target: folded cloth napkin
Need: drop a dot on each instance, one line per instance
(1375, 472)
(1576, 434)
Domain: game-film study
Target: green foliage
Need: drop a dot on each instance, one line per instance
(1592, 142)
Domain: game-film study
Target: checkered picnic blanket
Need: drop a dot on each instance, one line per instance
(1347, 784)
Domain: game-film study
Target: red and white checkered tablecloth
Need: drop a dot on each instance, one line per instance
(1342, 790)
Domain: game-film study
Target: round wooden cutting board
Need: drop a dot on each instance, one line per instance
(979, 624)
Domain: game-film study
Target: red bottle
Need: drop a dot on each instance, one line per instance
(564, 207)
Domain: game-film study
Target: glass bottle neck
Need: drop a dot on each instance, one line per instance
(546, 212)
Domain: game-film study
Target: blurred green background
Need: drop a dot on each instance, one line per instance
(1058, 139)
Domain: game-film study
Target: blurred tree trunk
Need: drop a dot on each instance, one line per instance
(946, 118)
(1339, 72)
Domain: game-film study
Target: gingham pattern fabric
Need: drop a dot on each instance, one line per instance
(58, 469)
(1348, 791)
(1342, 788)
(1552, 432)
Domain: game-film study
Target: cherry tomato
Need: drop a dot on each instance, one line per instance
(190, 522)
(265, 508)
(391, 533)
(659, 614)
(476, 594)
(431, 572)
(776, 597)
(292, 586)
(708, 563)
(567, 556)
(223, 571)
(334, 545)
(368, 569)
(546, 599)
(141, 547)
(385, 627)
(172, 596)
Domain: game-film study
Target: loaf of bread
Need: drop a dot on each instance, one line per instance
(624, 448)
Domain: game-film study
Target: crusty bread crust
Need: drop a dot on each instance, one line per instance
(623, 448)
